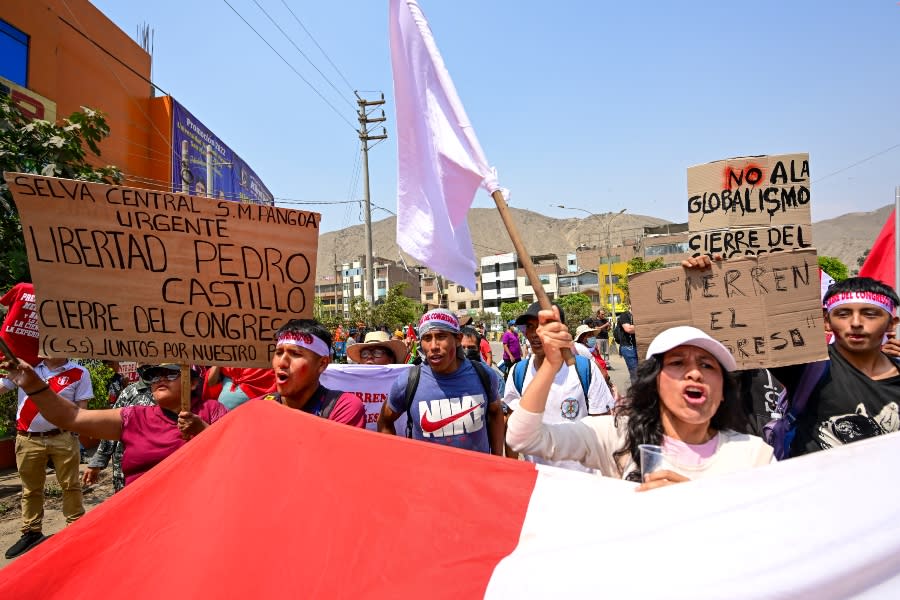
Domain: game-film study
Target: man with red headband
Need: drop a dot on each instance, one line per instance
(857, 393)
(302, 352)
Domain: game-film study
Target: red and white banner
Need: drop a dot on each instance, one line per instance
(372, 383)
(20, 326)
(470, 525)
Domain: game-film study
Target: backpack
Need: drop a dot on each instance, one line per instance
(618, 333)
(412, 384)
(781, 430)
(582, 367)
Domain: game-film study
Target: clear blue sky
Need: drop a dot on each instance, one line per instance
(596, 104)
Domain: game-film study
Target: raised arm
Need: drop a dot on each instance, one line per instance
(102, 424)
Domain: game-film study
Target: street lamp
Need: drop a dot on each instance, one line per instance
(609, 220)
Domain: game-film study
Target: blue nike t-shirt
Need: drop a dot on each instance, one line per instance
(447, 409)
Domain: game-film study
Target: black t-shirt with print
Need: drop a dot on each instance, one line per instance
(845, 406)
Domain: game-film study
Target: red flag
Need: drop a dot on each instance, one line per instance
(880, 261)
(20, 327)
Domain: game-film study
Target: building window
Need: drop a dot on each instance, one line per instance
(382, 284)
(663, 249)
(527, 297)
(355, 285)
(611, 280)
(473, 304)
(13, 54)
(460, 289)
(545, 279)
(461, 305)
(429, 296)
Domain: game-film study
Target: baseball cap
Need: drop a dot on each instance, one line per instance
(532, 313)
(438, 318)
(685, 335)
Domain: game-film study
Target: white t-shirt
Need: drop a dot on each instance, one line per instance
(594, 440)
(70, 381)
(565, 402)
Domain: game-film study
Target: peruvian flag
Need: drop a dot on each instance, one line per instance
(270, 502)
(880, 261)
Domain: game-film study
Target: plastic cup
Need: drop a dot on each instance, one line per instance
(653, 458)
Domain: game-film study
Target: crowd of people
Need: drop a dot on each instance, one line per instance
(553, 404)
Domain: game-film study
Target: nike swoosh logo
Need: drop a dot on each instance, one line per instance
(432, 426)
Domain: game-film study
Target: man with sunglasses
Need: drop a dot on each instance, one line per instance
(302, 352)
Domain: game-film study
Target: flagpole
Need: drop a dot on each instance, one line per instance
(897, 244)
(525, 259)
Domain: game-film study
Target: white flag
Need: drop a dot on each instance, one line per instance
(440, 162)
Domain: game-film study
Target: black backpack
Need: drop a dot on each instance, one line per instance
(412, 384)
(618, 333)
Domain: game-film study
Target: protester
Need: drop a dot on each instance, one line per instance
(39, 439)
(470, 344)
(574, 393)
(232, 386)
(602, 325)
(452, 401)
(118, 382)
(149, 433)
(301, 356)
(858, 392)
(135, 394)
(585, 334)
(512, 350)
(378, 349)
(627, 342)
(682, 399)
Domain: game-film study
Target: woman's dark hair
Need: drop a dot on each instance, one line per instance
(642, 408)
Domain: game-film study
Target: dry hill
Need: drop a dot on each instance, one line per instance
(845, 237)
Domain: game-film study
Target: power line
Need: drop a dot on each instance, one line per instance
(856, 164)
(296, 72)
(303, 54)
(299, 22)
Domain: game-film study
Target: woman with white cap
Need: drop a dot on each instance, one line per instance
(683, 399)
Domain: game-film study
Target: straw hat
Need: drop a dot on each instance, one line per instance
(378, 338)
(583, 329)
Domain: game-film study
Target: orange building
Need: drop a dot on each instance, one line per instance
(68, 53)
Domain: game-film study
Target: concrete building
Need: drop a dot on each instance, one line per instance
(348, 282)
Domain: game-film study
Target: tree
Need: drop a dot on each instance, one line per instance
(397, 309)
(49, 149)
(860, 261)
(638, 265)
(509, 311)
(834, 267)
(327, 316)
(577, 308)
(360, 311)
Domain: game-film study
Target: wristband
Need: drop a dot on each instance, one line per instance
(38, 391)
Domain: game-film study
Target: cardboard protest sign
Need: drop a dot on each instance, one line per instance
(751, 241)
(767, 310)
(130, 274)
(764, 202)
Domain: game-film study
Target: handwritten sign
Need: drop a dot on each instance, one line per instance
(767, 310)
(751, 241)
(123, 273)
(763, 200)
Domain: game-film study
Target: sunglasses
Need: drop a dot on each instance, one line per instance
(373, 353)
(156, 377)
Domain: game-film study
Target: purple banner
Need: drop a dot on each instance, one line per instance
(232, 178)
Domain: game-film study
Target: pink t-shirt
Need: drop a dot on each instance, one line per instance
(690, 455)
(150, 434)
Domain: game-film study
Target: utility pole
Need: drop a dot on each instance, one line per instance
(364, 138)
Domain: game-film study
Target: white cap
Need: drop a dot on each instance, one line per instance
(684, 335)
